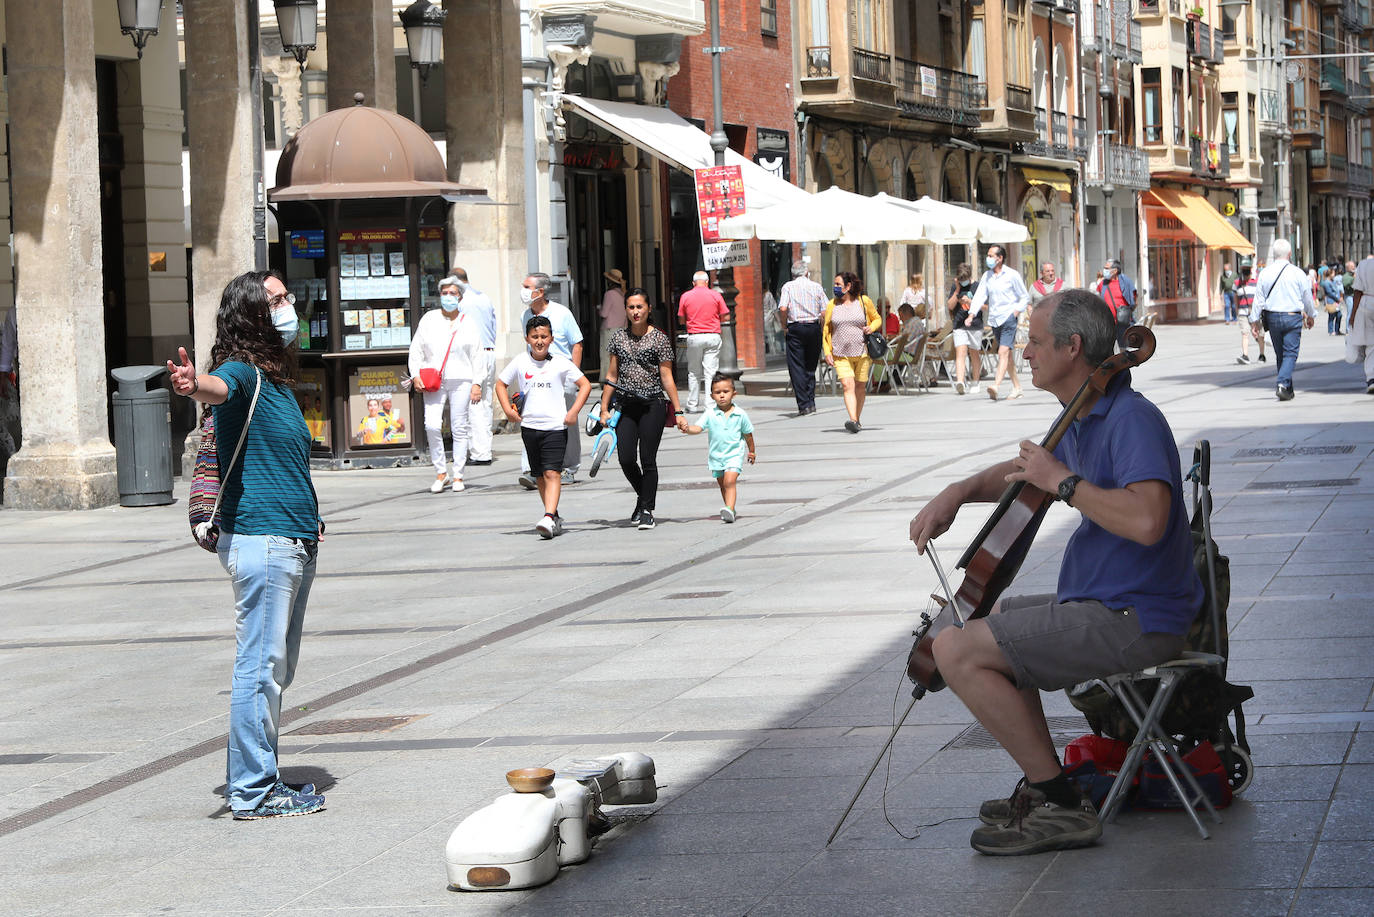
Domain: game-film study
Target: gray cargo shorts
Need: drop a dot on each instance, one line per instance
(1053, 645)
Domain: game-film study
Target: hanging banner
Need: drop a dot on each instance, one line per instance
(720, 194)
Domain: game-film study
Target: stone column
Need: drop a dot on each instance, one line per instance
(67, 461)
(220, 117)
(361, 53)
(484, 127)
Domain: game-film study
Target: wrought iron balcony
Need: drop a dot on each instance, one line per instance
(1080, 137)
(870, 65)
(1208, 159)
(1019, 98)
(1118, 165)
(1358, 177)
(818, 62)
(1040, 146)
(934, 93)
(1333, 77)
(1271, 117)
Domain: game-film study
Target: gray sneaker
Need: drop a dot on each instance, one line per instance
(998, 811)
(527, 481)
(1037, 825)
(281, 802)
(569, 477)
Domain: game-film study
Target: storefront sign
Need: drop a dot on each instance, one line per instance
(773, 149)
(720, 194)
(307, 243)
(378, 408)
(372, 235)
(593, 156)
(1268, 217)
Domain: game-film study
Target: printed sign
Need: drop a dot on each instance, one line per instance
(720, 194)
(307, 243)
(311, 396)
(378, 408)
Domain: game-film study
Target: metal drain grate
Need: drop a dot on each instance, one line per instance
(357, 724)
(696, 595)
(1302, 485)
(1063, 729)
(1281, 451)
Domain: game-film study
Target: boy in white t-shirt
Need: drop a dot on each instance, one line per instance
(543, 415)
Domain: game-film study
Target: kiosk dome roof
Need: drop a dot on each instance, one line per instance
(361, 152)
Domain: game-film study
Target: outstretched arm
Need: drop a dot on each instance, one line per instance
(186, 381)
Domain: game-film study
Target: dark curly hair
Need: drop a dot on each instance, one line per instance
(244, 329)
(851, 280)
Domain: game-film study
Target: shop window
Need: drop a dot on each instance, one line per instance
(1178, 109)
(1173, 269)
(1230, 120)
(1151, 105)
(768, 17)
(1253, 129)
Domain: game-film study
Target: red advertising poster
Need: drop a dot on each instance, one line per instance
(720, 194)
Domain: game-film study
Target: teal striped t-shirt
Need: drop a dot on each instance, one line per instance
(268, 491)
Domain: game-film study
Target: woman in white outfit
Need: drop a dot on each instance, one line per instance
(445, 340)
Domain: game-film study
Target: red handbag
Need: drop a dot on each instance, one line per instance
(431, 379)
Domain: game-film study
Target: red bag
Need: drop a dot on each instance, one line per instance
(431, 379)
(1156, 792)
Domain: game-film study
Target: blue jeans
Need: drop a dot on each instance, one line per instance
(1333, 322)
(1285, 332)
(271, 576)
(1228, 306)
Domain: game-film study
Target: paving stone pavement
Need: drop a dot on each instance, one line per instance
(759, 663)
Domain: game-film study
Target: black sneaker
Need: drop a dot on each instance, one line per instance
(1284, 392)
(998, 811)
(852, 426)
(1263, 358)
(646, 520)
(282, 802)
(634, 516)
(1036, 825)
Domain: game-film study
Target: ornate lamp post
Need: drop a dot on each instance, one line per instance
(298, 23)
(423, 23)
(139, 19)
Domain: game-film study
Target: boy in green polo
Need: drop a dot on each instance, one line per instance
(731, 437)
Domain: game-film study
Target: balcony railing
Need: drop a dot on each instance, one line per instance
(1040, 146)
(1358, 177)
(1059, 134)
(870, 65)
(1019, 98)
(1271, 108)
(818, 62)
(1120, 166)
(979, 89)
(1350, 15)
(934, 93)
(1207, 159)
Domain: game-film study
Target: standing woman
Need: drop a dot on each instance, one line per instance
(915, 293)
(847, 317)
(269, 526)
(641, 368)
(612, 309)
(447, 342)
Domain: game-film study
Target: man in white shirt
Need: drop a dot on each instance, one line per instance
(1360, 329)
(479, 308)
(1003, 294)
(567, 343)
(1283, 307)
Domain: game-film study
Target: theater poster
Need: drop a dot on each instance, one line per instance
(378, 408)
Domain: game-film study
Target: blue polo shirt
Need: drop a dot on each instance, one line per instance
(1125, 439)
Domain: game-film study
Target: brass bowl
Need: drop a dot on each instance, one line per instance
(530, 779)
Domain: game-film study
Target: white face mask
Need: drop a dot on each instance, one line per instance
(448, 302)
(284, 320)
(991, 262)
(526, 295)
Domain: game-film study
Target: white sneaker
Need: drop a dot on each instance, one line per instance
(958, 388)
(458, 486)
(974, 388)
(727, 514)
(546, 527)
(438, 485)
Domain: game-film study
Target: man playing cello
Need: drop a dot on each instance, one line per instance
(1127, 590)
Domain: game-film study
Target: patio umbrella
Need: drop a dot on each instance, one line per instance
(836, 215)
(968, 225)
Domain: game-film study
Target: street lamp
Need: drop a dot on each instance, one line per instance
(297, 23)
(139, 19)
(423, 23)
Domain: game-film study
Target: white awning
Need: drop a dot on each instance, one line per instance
(682, 144)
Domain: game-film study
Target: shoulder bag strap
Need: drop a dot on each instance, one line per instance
(243, 438)
(449, 349)
(1270, 292)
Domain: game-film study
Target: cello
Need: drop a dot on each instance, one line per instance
(994, 557)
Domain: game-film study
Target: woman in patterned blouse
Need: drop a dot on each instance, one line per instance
(641, 368)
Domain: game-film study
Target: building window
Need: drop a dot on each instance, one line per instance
(1230, 121)
(1151, 105)
(1177, 88)
(768, 17)
(1253, 129)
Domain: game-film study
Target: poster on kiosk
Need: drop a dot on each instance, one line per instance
(720, 194)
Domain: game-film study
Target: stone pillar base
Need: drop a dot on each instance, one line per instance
(61, 480)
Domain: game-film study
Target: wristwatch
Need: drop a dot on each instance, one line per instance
(1067, 487)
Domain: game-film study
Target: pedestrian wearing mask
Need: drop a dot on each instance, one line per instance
(446, 349)
(1002, 293)
(1119, 292)
(968, 329)
(269, 526)
(847, 318)
(481, 311)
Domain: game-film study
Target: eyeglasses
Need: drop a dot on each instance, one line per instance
(288, 298)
